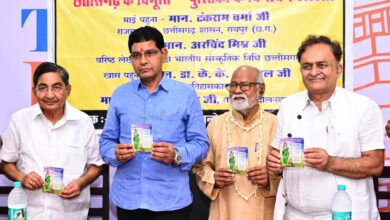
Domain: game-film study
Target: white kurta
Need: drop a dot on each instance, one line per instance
(348, 125)
(72, 144)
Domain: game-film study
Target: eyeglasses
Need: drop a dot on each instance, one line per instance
(55, 89)
(148, 54)
(244, 86)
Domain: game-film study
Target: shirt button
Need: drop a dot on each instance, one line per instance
(149, 100)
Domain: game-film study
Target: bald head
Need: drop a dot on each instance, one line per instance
(251, 71)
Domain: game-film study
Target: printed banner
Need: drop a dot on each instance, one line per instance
(206, 41)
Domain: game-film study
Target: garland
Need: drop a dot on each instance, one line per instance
(247, 129)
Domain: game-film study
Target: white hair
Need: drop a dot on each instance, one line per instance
(260, 77)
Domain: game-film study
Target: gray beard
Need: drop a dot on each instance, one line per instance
(242, 106)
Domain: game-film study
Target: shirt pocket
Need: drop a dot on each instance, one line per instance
(345, 139)
(72, 157)
(170, 127)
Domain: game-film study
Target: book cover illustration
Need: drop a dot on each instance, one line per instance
(291, 152)
(53, 178)
(141, 136)
(237, 159)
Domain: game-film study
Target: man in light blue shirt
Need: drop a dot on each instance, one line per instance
(153, 185)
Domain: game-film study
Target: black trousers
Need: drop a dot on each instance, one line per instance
(144, 214)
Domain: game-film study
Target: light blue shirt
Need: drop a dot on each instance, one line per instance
(176, 117)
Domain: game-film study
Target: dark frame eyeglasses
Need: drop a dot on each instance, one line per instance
(244, 86)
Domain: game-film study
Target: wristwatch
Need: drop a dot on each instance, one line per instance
(177, 159)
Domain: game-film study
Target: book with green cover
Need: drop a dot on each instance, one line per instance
(53, 179)
(237, 159)
(291, 152)
(142, 139)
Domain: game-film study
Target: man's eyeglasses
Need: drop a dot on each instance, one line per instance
(55, 89)
(244, 86)
(148, 54)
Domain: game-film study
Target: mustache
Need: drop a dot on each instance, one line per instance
(239, 96)
(317, 76)
(50, 100)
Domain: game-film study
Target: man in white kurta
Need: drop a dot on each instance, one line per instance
(251, 196)
(52, 133)
(343, 138)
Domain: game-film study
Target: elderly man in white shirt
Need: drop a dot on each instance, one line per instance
(343, 138)
(53, 134)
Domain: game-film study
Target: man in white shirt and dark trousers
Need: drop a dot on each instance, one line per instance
(52, 136)
(343, 139)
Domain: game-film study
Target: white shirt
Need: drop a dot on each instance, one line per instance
(72, 144)
(348, 125)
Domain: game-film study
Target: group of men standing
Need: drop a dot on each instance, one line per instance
(342, 132)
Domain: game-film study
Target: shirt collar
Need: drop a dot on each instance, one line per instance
(164, 83)
(69, 113)
(335, 98)
(306, 100)
(36, 110)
